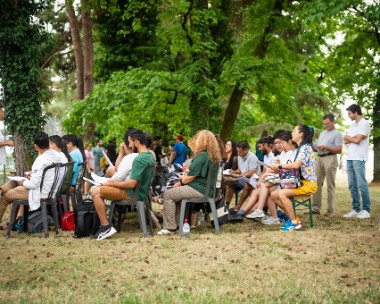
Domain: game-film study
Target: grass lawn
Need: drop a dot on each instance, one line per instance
(336, 262)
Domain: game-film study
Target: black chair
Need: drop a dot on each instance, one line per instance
(64, 192)
(49, 200)
(205, 199)
(76, 195)
(143, 207)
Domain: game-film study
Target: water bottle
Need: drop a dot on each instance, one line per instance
(201, 218)
(186, 229)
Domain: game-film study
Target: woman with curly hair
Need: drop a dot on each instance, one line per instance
(193, 185)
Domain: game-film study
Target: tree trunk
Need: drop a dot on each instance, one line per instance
(77, 45)
(376, 139)
(274, 7)
(21, 155)
(231, 113)
(88, 61)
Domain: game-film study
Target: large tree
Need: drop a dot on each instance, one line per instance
(24, 46)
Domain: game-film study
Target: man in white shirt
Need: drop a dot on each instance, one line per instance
(29, 188)
(247, 166)
(357, 140)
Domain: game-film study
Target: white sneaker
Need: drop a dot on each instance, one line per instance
(351, 214)
(364, 214)
(271, 221)
(103, 234)
(256, 214)
(164, 232)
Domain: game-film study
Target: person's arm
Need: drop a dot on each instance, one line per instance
(295, 165)
(335, 150)
(186, 179)
(131, 183)
(354, 139)
(119, 156)
(172, 157)
(7, 143)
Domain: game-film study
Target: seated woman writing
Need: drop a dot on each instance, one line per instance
(193, 185)
(303, 136)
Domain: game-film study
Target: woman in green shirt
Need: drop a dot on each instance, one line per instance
(193, 185)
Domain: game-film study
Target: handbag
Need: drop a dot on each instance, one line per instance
(290, 178)
(222, 211)
(272, 178)
(67, 221)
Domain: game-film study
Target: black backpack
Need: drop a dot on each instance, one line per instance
(86, 219)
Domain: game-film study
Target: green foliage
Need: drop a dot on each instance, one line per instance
(23, 47)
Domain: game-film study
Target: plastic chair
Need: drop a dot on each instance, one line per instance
(303, 200)
(143, 207)
(76, 195)
(49, 200)
(64, 193)
(205, 199)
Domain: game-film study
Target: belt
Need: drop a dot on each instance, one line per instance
(327, 154)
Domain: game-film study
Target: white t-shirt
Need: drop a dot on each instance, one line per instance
(269, 158)
(359, 151)
(124, 170)
(284, 157)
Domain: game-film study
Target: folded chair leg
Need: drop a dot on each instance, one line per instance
(215, 217)
(11, 219)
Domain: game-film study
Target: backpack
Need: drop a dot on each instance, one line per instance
(86, 219)
(222, 212)
(35, 222)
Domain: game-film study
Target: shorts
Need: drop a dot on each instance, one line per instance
(113, 194)
(307, 187)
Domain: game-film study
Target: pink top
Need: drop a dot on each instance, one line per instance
(90, 159)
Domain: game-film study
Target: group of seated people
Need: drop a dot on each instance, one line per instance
(134, 156)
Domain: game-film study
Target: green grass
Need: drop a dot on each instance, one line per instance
(336, 262)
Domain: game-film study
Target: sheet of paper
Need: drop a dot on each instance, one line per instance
(108, 160)
(92, 182)
(99, 179)
(16, 178)
(227, 172)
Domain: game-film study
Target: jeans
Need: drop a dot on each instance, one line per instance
(356, 181)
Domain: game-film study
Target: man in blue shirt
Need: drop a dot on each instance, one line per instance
(75, 154)
(179, 154)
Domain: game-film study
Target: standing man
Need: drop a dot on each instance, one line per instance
(3, 142)
(357, 140)
(329, 144)
(98, 154)
(179, 154)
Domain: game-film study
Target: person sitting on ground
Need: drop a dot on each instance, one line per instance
(124, 189)
(192, 185)
(29, 188)
(71, 141)
(247, 166)
(303, 136)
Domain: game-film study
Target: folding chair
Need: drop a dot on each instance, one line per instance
(49, 200)
(303, 200)
(143, 207)
(64, 192)
(205, 199)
